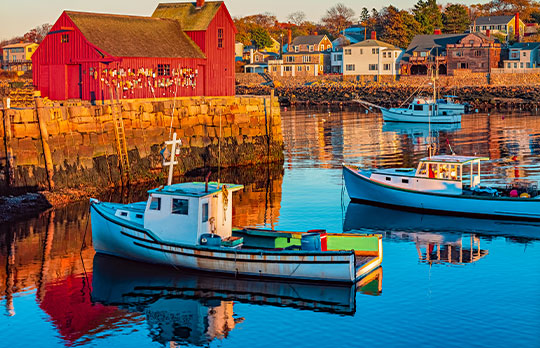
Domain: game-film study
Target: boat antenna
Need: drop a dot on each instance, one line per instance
(430, 139)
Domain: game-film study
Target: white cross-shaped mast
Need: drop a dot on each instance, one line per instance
(174, 142)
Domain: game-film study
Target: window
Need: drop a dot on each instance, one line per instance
(521, 65)
(307, 68)
(220, 38)
(404, 181)
(477, 53)
(463, 65)
(124, 213)
(374, 51)
(296, 48)
(508, 65)
(287, 68)
(155, 203)
(274, 68)
(29, 49)
(339, 57)
(471, 42)
(321, 68)
(524, 54)
(290, 59)
(388, 178)
(395, 54)
(299, 68)
(139, 216)
(528, 65)
(180, 206)
(65, 38)
(350, 67)
(347, 52)
(164, 69)
(418, 107)
(306, 59)
(384, 54)
(329, 47)
(386, 67)
(515, 65)
(373, 67)
(205, 212)
(311, 48)
(361, 51)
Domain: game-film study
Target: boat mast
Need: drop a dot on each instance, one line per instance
(175, 151)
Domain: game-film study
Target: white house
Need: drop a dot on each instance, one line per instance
(371, 57)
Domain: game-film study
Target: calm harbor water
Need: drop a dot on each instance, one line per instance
(444, 282)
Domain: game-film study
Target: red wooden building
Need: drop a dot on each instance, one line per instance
(210, 25)
(86, 54)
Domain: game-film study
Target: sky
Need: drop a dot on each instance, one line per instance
(19, 16)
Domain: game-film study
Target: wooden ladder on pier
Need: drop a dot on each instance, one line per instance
(120, 136)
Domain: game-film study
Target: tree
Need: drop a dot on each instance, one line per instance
(455, 19)
(364, 15)
(260, 38)
(297, 17)
(398, 27)
(428, 14)
(525, 8)
(337, 18)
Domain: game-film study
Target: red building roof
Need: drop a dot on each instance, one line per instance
(134, 36)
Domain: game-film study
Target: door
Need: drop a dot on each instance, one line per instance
(57, 82)
(74, 85)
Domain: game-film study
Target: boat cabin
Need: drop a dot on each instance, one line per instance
(451, 168)
(447, 174)
(182, 213)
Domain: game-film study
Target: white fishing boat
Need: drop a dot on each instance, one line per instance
(422, 110)
(443, 184)
(189, 225)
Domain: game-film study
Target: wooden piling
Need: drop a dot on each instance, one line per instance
(6, 121)
(40, 110)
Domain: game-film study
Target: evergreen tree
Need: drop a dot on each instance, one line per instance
(260, 38)
(455, 19)
(428, 14)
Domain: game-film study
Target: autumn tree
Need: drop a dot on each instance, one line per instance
(428, 14)
(525, 8)
(398, 27)
(455, 19)
(337, 18)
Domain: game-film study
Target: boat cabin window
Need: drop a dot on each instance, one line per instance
(410, 107)
(139, 216)
(418, 108)
(430, 107)
(155, 204)
(124, 213)
(388, 178)
(422, 171)
(404, 181)
(205, 212)
(180, 206)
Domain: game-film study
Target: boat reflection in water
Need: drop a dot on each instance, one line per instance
(363, 216)
(192, 308)
(438, 239)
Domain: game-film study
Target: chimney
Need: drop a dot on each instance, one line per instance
(488, 33)
(315, 33)
(373, 35)
(437, 32)
(251, 58)
(289, 40)
(200, 3)
(516, 27)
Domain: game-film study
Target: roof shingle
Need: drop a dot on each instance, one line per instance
(188, 15)
(135, 36)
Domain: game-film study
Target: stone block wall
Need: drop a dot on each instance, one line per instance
(234, 131)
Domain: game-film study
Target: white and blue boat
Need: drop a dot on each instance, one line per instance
(422, 110)
(189, 225)
(443, 184)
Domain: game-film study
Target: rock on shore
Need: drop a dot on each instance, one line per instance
(485, 97)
